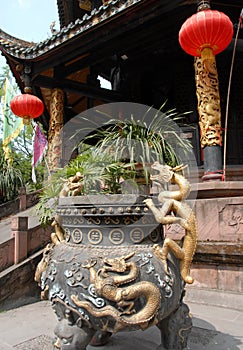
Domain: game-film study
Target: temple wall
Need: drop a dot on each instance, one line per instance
(218, 262)
(219, 219)
(221, 277)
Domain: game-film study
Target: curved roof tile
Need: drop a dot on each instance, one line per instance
(29, 50)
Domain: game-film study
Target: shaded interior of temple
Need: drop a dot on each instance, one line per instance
(136, 49)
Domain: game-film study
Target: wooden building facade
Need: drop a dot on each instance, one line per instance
(133, 44)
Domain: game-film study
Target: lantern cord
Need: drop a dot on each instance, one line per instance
(228, 97)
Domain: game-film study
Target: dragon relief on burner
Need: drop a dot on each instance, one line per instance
(111, 287)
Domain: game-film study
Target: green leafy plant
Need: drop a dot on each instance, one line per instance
(115, 154)
(100, 171)
(10, 181)
(48, 198)
(100, 174)
(153, 137)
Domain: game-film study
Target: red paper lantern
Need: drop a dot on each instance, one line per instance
(205, 33)
(27, 106)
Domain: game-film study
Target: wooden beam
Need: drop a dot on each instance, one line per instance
(85, 62)
(77, 88)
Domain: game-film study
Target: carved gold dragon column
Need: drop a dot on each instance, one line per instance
(55, 126)
(207, 91)
(204, 35)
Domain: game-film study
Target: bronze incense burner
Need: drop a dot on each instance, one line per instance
(109, 268)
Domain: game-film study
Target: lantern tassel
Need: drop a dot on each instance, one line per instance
(26, 120)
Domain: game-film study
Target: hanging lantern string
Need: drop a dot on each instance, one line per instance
(228, 97)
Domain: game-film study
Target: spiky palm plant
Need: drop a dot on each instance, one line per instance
(119, 146)
(10, 181)
(153, 137)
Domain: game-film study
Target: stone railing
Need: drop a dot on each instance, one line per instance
(6, 254)
(19, 256)
(22, 202)
(9, 208)
(24, 241)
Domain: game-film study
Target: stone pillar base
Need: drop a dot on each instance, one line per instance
(213, 169)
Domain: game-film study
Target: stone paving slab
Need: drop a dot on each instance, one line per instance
(199, 339)
(43, 342)
(31, 328)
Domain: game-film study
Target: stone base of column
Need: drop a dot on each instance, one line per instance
(213, 168)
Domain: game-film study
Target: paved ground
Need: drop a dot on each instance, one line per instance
(31, 328)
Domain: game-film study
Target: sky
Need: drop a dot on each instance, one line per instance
(28, 19)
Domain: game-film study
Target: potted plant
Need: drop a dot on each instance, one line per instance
(122, 150)
(99, 173)
(142, 140)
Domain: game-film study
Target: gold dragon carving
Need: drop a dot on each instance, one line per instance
(107, 281)
(55, 126)
(56, 237)
(175, 210)
(72, 186)
(86, 4)
(207, 91)
(41, 267)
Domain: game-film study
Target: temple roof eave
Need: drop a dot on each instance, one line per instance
(8, 38)
(22, 50)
